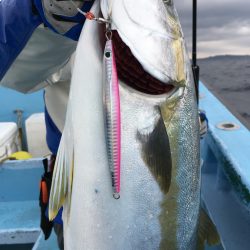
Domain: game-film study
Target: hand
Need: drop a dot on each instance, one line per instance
(62, 16)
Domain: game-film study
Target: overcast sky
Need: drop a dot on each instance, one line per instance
(223, 26)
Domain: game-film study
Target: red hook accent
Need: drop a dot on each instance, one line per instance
(90, 16)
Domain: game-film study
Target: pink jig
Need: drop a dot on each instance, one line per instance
(112, 115)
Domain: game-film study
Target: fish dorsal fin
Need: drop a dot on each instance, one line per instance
(207, 231)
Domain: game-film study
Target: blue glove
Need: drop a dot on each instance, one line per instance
(63, 16)
(18, 20)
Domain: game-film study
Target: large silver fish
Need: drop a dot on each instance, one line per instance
(159, 203)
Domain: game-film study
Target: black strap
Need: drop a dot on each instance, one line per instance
(46, 179)
(195, 67)
(45, 165)
(34, 9)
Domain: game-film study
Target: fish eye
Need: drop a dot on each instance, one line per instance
(107, 54)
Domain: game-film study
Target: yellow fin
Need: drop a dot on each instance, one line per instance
(207, 231)
(57, 193)
(71, 174)
(62, 180)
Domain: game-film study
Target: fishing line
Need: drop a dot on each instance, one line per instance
(89, 15)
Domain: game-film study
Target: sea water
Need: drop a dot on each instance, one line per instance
(228, 78)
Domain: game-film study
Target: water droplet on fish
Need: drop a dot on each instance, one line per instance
(110, 236)
(128, 227)
(98, 225)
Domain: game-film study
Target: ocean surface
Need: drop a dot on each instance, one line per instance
(228, 77)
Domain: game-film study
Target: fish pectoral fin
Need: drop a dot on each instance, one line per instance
(207, 231)
(155, 151)
(62, 178)
(71, 174)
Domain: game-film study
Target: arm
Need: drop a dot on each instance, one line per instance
(45, 52)
(62, 16)
(17, 23)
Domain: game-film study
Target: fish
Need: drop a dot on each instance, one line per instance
(159, 176)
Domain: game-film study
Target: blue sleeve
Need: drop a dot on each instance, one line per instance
(53, 134)
(17, 23)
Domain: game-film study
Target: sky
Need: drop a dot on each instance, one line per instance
(223, 26)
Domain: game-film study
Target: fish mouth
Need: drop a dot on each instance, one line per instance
(131, 72)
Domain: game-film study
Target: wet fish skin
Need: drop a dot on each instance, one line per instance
(160, 175)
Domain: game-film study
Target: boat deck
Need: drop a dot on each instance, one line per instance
(226, 174)
(19, 207)
(50, 244)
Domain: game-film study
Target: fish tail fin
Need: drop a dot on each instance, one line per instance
(207, 231)
(63, 171)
